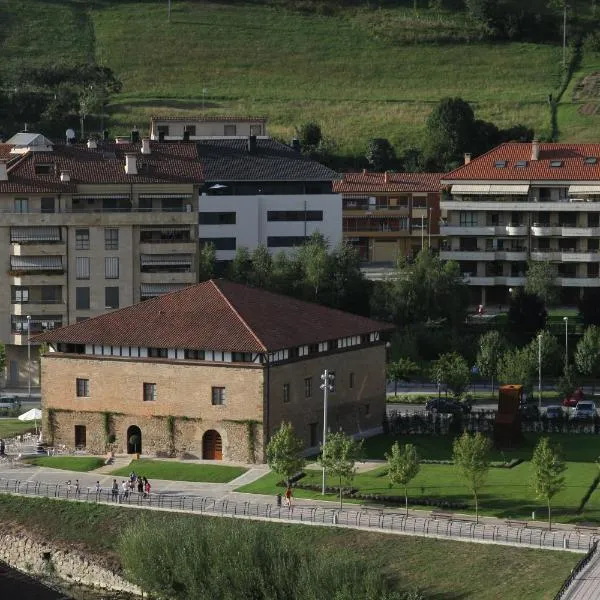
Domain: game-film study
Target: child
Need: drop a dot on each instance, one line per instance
(147, 489)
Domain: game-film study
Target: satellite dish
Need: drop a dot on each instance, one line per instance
(70, 133)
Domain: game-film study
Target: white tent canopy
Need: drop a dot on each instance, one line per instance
(35, 414)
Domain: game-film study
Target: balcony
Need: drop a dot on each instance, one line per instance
(516, 230)
(520, 254)
(28, 308)
(510, 280)
(577, 257)
(543, 230)
(590, 281)
(546, 255)
(480, 280)
(467, 255)
(183, 278)
(449, 230)
(38, 249)
(581, 231)
(176, 247)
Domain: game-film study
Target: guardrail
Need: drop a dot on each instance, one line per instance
(370, 518)
(576, 570)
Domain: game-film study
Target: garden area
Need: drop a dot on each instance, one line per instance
(179, 471)
(81, 464)
(12, 427)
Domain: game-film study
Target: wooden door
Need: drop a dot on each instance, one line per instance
(212, 446)
(80, 435)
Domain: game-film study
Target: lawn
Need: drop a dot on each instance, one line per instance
(11, 427)
(478, 571)
(67, 463)
(178, 471)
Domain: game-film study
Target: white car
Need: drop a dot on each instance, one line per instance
(585, 409)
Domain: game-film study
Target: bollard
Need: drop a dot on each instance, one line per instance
(533, 516)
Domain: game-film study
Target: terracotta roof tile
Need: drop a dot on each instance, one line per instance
(362, 183)
(217, 315)
(571, 156)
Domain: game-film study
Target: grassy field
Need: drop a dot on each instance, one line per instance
(68, 463)
(177, 471)
(11, 427)
(413, 562)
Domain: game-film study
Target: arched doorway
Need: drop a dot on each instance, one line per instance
(134, 440)
(212, 445)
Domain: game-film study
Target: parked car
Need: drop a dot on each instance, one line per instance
(447, 405)
(10, 402)
(573, 398)
(529, 411)
(585, 409)
(554, 412)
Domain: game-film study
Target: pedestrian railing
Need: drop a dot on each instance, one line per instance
(577, 569)
(355, 517)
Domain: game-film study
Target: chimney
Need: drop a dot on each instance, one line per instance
(535, 150)
(364, 171)
(3, 171)
(385, 177)
(467, 158)
(296, 144)
(251, 144)
(145, 145)
(65, 176)
(130, 164)
(92, 144)
(135, 135)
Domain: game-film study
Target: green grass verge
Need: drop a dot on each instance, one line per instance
(178, 471)
(478, 571)
(11, 427)
(67, 463)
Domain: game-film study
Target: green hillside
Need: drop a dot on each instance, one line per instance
(360, 73)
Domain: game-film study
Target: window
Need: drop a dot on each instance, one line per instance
(241, 357)
(82, 270)
(41, 169)
(286, 393)
(164, 129)
(21, 205)
(218, 396)
(556, 163)
(590, 160)
(195, 354)
(149, 392)
(47, 205)
(82, 298)
(255, 129)
(419, 202)
(351, 382)
(294, 215)
(82, 239)
(229, 130)
(111, 239)
(82, 387)
(111, 267)
(520, 164)
(111, 297)
(189, 129)
(158, 352)
(220, 243)
(285, 241)
(500, 164)
(51, 294)
(307, 387)
(312, 435)
(20, 295)
(468, 219)
(216, 218)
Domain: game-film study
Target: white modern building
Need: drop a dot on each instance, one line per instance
(167, 128)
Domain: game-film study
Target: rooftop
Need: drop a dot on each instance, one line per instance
(365, 182)
(210, 118)
(514, 162)
(217, 315)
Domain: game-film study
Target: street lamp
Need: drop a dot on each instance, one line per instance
(422, 232)
(566, 320)
(28, 357)
(328, 380)
(429, 230)
(539, 370)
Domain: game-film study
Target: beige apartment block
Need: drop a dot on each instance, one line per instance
(211, 372)
(196, 127)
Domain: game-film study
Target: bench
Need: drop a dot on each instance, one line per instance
(440, 514)
(515, 523)
(586, 528)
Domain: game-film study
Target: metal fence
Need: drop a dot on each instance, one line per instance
(578, 568)
(442, 525)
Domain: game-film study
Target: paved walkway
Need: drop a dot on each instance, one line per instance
(586, 585)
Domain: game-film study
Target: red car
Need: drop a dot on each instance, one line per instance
(574, 398)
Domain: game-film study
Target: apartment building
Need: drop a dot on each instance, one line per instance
(390, 215)
(211, 372)
(205, 126)
(258, 191)
(525, 202)
(89, 228)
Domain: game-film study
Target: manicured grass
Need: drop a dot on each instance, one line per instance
(178, 471)
(477, 572)
(11, 427)
(68, 463)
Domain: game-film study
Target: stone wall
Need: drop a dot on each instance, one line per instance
(40, 558)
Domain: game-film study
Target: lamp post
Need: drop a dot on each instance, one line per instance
(327, 386)
(566, 320)
(429, 231)
(28, 357)
(539, 370)
(422, 232)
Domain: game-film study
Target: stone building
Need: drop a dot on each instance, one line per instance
(211, 371)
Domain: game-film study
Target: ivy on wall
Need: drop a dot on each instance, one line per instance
(171, 421)
(250, 435)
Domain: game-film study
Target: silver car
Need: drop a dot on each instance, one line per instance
(585, 409)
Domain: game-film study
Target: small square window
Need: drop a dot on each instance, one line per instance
(521, 164)
(229, 130)
(351, 383)
(556, 163)
(307, 387)
(590, 160)
(218, 396)
(286, 393)
(149, 392)
(500, 164)
(82, 387)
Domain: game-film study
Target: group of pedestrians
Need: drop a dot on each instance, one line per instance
(129, 486)
(73, 487)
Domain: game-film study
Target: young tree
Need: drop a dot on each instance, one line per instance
(403, 466)
(517, 366)
(338, 457)
(587, 353)
(491, 348)
(472, 458)
(452, 371)
(310, 136)
(380, 155)
(548, 469)
(314, 260)
(206, 262)
(262, 267)
(541, 281)
(401, 370)
(240, 268)
(283, 451)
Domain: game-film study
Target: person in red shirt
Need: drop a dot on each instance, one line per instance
(288, 496)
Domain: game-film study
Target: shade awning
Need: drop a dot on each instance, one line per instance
(35, 234)
(34, 263)
(491, 189)
(584, 189)
(165, 259)
(182, 196)
(101, 197)
(148, 290)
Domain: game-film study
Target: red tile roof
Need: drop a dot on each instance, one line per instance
(217, 315)
(363, 183)
(172, 163)
(571, 156)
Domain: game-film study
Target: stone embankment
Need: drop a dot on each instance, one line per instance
(21, 552)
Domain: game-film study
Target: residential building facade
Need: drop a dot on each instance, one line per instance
(525, 202)
(211, 372)
(168, 128)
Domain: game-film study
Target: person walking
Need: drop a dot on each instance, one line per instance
(288, 496)
(68, 487)
(147, 488)
(77, 487)
(125, 486)
(140, 485)
(115, 491)
(98, 488)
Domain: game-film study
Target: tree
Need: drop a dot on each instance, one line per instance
(552, 352)
(589, 306)
(380, 155)
(240, 268)
(283, 451)
(403, 466)
(310, 136)
(567, 382)
(541, 281)
(338, 457)
(314, 260)
(548, 469)
(262, 267)
(587, 352)
(401, 370)
(452, 371)
(472, 458)
(491, 348)
(206, 262)
(526, 313)
(517, 366)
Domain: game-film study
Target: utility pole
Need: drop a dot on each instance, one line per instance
(327, 386)
(422, 232)
(540, 370)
